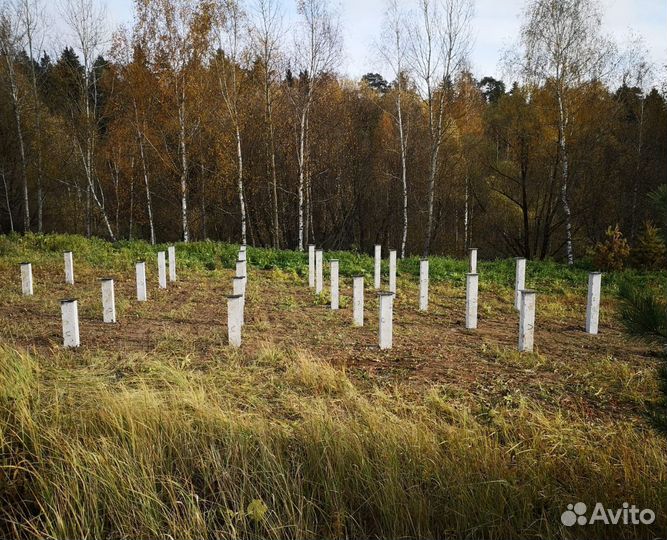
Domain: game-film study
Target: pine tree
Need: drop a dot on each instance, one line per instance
(649, 251)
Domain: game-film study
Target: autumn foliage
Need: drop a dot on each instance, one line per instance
(202, 121)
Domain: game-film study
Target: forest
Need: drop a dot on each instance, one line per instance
(218, 120)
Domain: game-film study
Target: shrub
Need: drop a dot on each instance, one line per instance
(649, 252)
(643, 311)
(612, 253)
(644, 314)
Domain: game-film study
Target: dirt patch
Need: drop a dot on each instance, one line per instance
(433, 348)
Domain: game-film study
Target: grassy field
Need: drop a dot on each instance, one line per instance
(155, 428)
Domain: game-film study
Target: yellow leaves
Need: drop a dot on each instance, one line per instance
(256, 510)
(386, 128)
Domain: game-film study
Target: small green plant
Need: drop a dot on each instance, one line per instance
(612, 253)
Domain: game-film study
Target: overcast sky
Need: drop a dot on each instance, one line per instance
(495, 26)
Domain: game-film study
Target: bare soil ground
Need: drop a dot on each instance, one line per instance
(598, 376)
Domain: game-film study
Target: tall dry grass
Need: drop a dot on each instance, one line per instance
(278, 445)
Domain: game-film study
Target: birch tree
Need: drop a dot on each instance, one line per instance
(87, 24)
(141, 100)
(11, 42)
(394, 51)
(30, 15)
(231, 29)
(636, 73)
(563, 44)
(438, 48)
(176, 35)
(317, 50)
(267, 31)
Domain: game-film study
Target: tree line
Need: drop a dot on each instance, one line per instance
(215, 119)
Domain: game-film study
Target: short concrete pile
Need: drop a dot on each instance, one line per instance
(237, 300)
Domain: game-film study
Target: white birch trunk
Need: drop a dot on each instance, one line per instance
(404, 171)
(184, 168)
(562, 127)
(301, 160)
(16, 106)
(239, 157)
(144, 167)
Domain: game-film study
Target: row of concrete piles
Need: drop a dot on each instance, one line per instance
(524, 299)
(386, 298)
(69, 308)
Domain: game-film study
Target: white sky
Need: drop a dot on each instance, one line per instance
(495, 26)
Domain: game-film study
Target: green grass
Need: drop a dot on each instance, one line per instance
(545, 276)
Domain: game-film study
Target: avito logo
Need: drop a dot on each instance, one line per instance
(627, 515)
